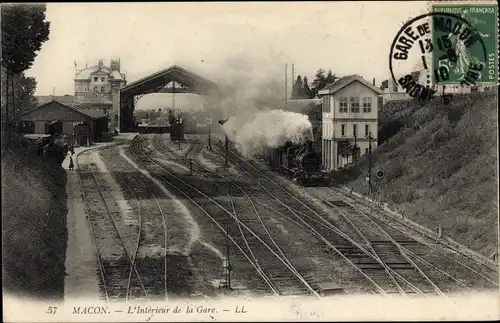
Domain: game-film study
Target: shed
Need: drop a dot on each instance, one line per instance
(329, 288)
(80, 121)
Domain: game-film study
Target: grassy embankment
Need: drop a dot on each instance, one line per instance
(441, 168)
(33, 221)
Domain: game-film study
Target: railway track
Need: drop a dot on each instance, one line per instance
(276, 270)
(398, 269)
(119, 276)
(150, 250)
(467, 274)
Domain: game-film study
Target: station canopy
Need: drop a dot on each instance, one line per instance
(172, 79)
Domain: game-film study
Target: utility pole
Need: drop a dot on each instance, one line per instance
(209, 121)
(226, 265)
(286, 86)
(354, 155)
(228, 260)
(226, 144)
(369, 163)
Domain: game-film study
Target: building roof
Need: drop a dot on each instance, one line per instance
(42, 99)
(82, 108)
(345, 81)
(157, 81)
(86, 73)
(92, 97)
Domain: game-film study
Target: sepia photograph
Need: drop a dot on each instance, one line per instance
(250, 161)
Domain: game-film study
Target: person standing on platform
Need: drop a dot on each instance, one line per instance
(71, 165)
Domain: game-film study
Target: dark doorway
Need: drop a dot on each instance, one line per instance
(55, 127)
(82, 134)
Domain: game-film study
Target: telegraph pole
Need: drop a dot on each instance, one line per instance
(286, 86)
(355, 147)
(369, 163)
(226, 144)
(228, 260)
(209, 121)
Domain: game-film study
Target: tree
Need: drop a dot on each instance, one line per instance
(297, 88)
(24, 30)
(306, 91)
(330, 77)
(25, 98)
(319, 81)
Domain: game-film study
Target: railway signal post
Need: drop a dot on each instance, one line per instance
(209, 122)
(226, 265)
(369, 178)
(380, 174)
(226, 144)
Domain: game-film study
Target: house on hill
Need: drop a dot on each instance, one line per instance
(77, 121)
(350, 114)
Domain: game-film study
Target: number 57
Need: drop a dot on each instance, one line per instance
(51, 310)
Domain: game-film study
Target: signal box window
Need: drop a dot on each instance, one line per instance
(367, 105)
(366, 130)
(354, 105)
(343, 105)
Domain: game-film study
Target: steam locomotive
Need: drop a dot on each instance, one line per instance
(176, 126)
(298, 162)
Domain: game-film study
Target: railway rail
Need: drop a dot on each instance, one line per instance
(482, 276)
(116, 268)
(154, 268)
(254, 220)
(405, 275)
(279, 274)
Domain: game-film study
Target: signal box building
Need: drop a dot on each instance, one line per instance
(350, 114)
(75, 120)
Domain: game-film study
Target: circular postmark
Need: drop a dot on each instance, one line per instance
(437, 48)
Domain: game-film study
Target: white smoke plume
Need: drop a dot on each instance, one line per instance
(268, 129)
(252, 91)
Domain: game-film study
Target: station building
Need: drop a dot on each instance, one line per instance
(350, 113)
(78, 122)
(98, 86)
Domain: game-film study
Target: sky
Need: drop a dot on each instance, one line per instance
(346, 37)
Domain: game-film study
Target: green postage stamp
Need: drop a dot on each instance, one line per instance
(465, 39)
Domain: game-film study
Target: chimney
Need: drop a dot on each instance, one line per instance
(373, 81)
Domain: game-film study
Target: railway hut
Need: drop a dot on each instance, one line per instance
(329, 289)
(82, 123)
